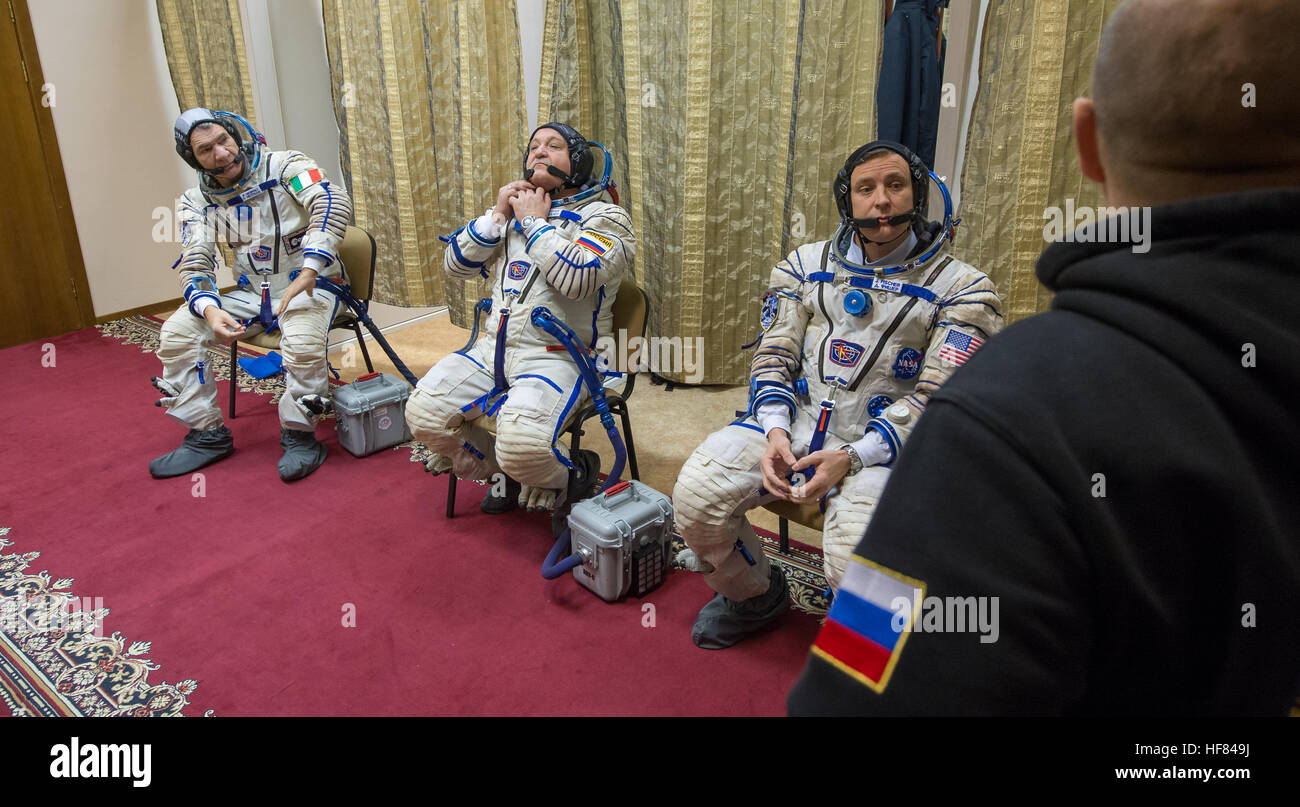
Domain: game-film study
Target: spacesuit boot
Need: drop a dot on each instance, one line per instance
(199, 448)
(723, 622)
(584, 479)
(496, 505)
(302, 454)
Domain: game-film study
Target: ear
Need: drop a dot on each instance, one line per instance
(1085, 138)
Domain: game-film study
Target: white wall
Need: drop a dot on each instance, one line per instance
(532, 24)
(291, 78)
(113, 112)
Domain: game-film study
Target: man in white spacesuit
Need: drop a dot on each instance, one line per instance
(858, 332)
(284, 220)
(555, 239)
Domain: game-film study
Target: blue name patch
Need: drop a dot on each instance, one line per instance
(845, 354)
(907, 364)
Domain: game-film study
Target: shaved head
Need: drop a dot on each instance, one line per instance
(1196, 97)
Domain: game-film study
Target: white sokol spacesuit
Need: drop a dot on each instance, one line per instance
(912, 329)
(572, 263)
(282, 216)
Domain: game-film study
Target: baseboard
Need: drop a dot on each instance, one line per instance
(149, 309)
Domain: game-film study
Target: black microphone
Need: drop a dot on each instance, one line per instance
(892, 221)
(550, 169)
(239, 158)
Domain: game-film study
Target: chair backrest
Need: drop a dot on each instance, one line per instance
(358, 255)
(631, 312)
(631, 309)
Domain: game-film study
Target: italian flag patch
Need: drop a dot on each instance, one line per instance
(305, 180)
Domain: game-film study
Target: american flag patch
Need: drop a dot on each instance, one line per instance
(597, 243)
(958, 345)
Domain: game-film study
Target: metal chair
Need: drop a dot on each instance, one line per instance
(357, 253)
(631, 312)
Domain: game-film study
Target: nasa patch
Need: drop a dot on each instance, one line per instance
(878, 404)
(771, 307)
(907, 364)
(845, 354)
(262, 254)
(518, 270)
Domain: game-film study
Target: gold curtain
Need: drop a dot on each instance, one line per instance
(204, 40)
(728, 121)
(429, 99)
(1036, 58)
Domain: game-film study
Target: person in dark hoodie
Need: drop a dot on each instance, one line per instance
(1115, 529)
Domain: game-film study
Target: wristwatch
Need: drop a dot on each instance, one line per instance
(855, 462)
(528, 222)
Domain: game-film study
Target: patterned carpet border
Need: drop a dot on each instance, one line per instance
(54, 662)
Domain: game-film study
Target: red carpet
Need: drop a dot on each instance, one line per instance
(245, 589)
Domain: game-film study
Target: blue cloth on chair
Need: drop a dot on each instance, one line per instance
(262, 366)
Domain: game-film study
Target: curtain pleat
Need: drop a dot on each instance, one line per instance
(429, 97)
(727, 121)
(1036, 58)
(204, 41)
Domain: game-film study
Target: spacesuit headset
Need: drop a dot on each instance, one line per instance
(192, 118)
(580, 156)
(920, 187)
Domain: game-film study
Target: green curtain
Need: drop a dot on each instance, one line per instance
(430, 104)
(1035, 59)
(728, 121)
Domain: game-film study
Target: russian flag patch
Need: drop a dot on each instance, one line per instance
(596, 242)
(869, 622)
(305, 180)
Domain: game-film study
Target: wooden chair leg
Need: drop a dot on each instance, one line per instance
(234, 382)
(451, 495)
(785, 536)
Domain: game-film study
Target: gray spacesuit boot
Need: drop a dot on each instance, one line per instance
(199, 448)
(496, 505)
(302, 454)
(723, 622)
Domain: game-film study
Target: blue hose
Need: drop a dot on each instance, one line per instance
(544, 319)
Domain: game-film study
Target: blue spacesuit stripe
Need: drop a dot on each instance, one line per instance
(461, 259)
(544, 378)
(532, 239)
(471, 358)
(559, 424)
(745, 425)
(887, 431)
(478, 239)
(822, 277)
(600, 300)
(329, 205)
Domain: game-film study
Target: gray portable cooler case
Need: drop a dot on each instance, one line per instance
(623, 536)
(371, 413)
